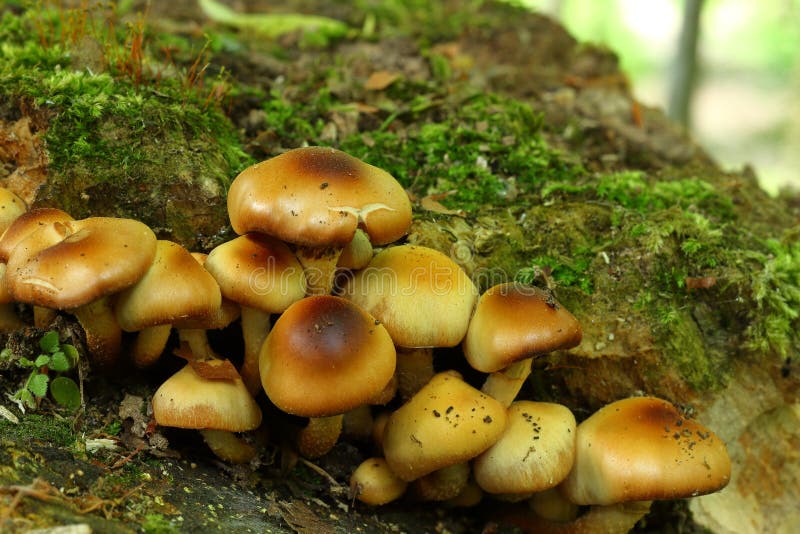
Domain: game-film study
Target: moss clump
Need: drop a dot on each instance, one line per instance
(49, 429)
(161, 151)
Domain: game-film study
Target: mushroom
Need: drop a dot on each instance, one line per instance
(262, 275)
(633, 451)
(11, 207)
(513, 323)
(323, 357)
(374, 483)
(174, 287)
(445, 423)
(19, 229)
(423, 298)
(216, 407)
(315, 198)
(534, 453)
(75, 266)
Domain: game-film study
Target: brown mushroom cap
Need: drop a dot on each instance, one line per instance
(257, 271)
(444, 423)
(187, 400)
(642, 448)
(26, 224)
(423, 297)
(325, 356)
(515, 321)
(91, 258)
(318, 196)
(175, 286)
(534, 453)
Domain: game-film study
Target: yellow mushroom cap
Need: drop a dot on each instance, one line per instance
(318, 196)
(325, 356)
(534, 453)
(374, 483)
(423, 297)
(257, 271)
(11, 207)
(187, 400)
(515, 321)
(76, 262)
(444, 423)
(642, 448)
(174, 287)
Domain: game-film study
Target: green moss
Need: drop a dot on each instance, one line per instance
(115, 144)
(50, 429)
(158, 524)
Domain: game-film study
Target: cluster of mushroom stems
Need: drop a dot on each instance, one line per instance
(358, 317)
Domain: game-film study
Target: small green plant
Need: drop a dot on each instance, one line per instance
(55, 357)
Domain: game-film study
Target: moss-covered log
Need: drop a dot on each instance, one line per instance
(527, 158)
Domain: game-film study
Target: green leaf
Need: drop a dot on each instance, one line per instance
(38, 384)
(25, 362)
(60, 362)
(25, 396)
(6, 354)
(71, 353)
(49, 341)
(65, 392)
(41, 360)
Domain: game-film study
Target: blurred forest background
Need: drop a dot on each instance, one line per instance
(745, 104)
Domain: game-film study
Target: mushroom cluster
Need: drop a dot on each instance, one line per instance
(339, 353)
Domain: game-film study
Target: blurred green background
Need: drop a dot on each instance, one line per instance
(745, 104)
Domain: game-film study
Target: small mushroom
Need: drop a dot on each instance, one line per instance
(262, 275)
(633, 451)
(444, 423)
(75, 266)
(534, 453)
(315, 198)
(374, 483)
(423, 298)
(513, 323)
(215, 407)
(174, 287)
(323, 357)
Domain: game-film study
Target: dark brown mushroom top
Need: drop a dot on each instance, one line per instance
(325, 356)
(318, 196)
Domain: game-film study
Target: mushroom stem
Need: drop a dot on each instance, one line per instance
(197, 340)
(227, 446)
(504, 385)
(319, 266)
(319, 436)
(255, 327)
(414, 370)
(103, 334)
(612, 519)
(443, 484)
(43, 317)
(149, 345)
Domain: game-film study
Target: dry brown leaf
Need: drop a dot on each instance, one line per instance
(430, 203)
(23, 152)
(380, 80)
(223, 371)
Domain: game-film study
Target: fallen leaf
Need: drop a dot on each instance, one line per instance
(380, 80)
(431, 203)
